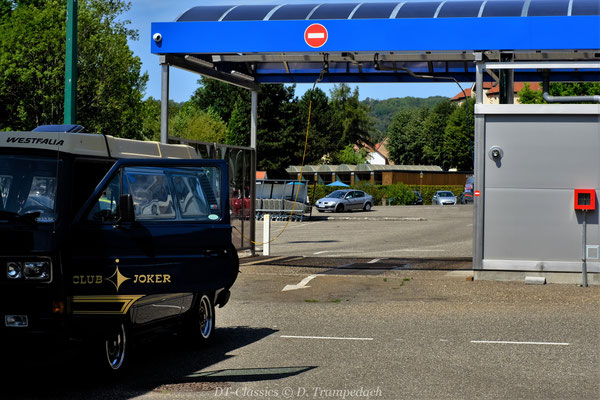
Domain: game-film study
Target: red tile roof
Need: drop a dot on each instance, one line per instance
(518, 86)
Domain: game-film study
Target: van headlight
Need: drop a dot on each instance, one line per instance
(28, 270)
(14, 270)
(37, 270)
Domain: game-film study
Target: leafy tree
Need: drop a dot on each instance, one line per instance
(382, 111)
(350, 117)
(32, 67)
(150, 116)
(238, 128)
(405, 136)
(433, 134)
(322, 138)
(350, 156)
(528, 96)
(202, 125)
(458, 138)
(221, 97)
(279, 139)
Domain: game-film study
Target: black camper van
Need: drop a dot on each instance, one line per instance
(104, 237)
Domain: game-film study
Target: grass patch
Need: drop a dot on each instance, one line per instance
(311, 300)
(335, 300)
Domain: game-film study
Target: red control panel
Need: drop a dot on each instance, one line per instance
(585, 199)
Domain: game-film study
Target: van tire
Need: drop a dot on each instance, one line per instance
(115, 348)
(202, 322)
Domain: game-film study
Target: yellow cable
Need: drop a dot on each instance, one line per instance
(299, 177)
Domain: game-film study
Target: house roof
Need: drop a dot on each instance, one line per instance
(518, 86)
(469, 91)
(261, 174)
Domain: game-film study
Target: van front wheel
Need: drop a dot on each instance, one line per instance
(115, 347)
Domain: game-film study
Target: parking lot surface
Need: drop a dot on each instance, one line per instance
(346, 326)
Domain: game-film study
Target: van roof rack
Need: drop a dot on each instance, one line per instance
(72, 128)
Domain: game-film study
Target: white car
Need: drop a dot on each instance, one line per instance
(443, 198)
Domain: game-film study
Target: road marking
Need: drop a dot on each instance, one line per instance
(263, 260)
(301, 285)
(324, 337)
(509, 342)
(338, 251)
(376, 260)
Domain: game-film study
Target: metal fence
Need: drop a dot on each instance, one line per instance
(283, 199)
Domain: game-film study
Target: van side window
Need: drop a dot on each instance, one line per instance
(105, 209)
(152, 198)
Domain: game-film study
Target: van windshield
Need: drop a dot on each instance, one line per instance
(27, 187)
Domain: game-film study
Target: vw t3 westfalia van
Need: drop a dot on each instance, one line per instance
(103, 237)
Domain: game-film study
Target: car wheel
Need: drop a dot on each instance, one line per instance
(203, 320)
(367, 207)
(339, 208)
(115, 348)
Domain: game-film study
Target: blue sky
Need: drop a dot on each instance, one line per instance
(183, 84)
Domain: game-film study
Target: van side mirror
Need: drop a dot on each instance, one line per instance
(126, 213)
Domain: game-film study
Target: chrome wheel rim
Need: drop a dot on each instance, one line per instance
(115, 346)
(206, 317)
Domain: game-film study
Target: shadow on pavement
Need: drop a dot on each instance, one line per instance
(161, 363)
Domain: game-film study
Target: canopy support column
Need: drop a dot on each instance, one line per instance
(164, 101)
(478, 212)
(253, 130)
(507, 80)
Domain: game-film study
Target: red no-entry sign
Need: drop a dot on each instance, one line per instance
(315, 35)
(477, 193)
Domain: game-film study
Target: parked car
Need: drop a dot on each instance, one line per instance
(470, 184)
(418, 200)
(466, 197)
(345, 200)
(443, 197)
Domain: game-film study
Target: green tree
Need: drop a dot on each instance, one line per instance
(195, 124)
(322, 139)
(433, 127)
(458, 138)
(528, 96)
(238, 127)
(350, 156)
(406, 141)
(350, 118)
(280, 140)
(32, 52)
(221, 97)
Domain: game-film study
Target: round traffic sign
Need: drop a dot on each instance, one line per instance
(477, 193)
(315, 35)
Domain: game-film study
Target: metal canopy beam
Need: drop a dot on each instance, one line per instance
(182, 63)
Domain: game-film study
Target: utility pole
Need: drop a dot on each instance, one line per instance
(71, 64)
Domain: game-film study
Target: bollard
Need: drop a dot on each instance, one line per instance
(267, 235)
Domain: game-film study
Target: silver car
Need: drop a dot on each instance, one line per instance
(345, 200)
(443, 197)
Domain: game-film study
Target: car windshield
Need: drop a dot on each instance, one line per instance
(27, 187)
(338, 194)
(445, 194)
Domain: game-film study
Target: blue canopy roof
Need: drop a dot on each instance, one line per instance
(379, 41)
(397, 9)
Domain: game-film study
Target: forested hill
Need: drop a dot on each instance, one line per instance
(382, 111)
